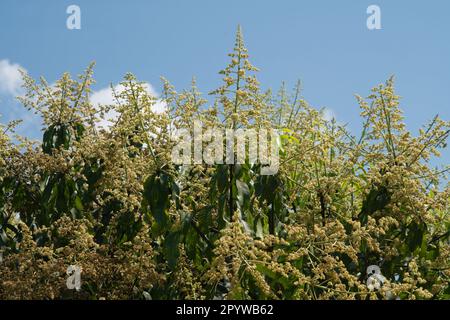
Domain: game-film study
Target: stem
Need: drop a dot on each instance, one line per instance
(230, 200)
(236, 104)
(388, 124)
(141, 123)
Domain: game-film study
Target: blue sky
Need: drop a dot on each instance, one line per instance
(326, 44)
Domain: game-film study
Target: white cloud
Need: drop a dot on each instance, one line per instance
(10, 109)
(328, 114)
(105, 97)
(10, 78)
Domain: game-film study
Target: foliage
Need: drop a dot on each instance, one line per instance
(111, 200)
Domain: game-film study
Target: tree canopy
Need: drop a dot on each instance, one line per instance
(110, 200)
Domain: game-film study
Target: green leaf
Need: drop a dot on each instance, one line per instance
(171, 250)
(415, 235)
(243, 191)
(157, 192)
(78, 204)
